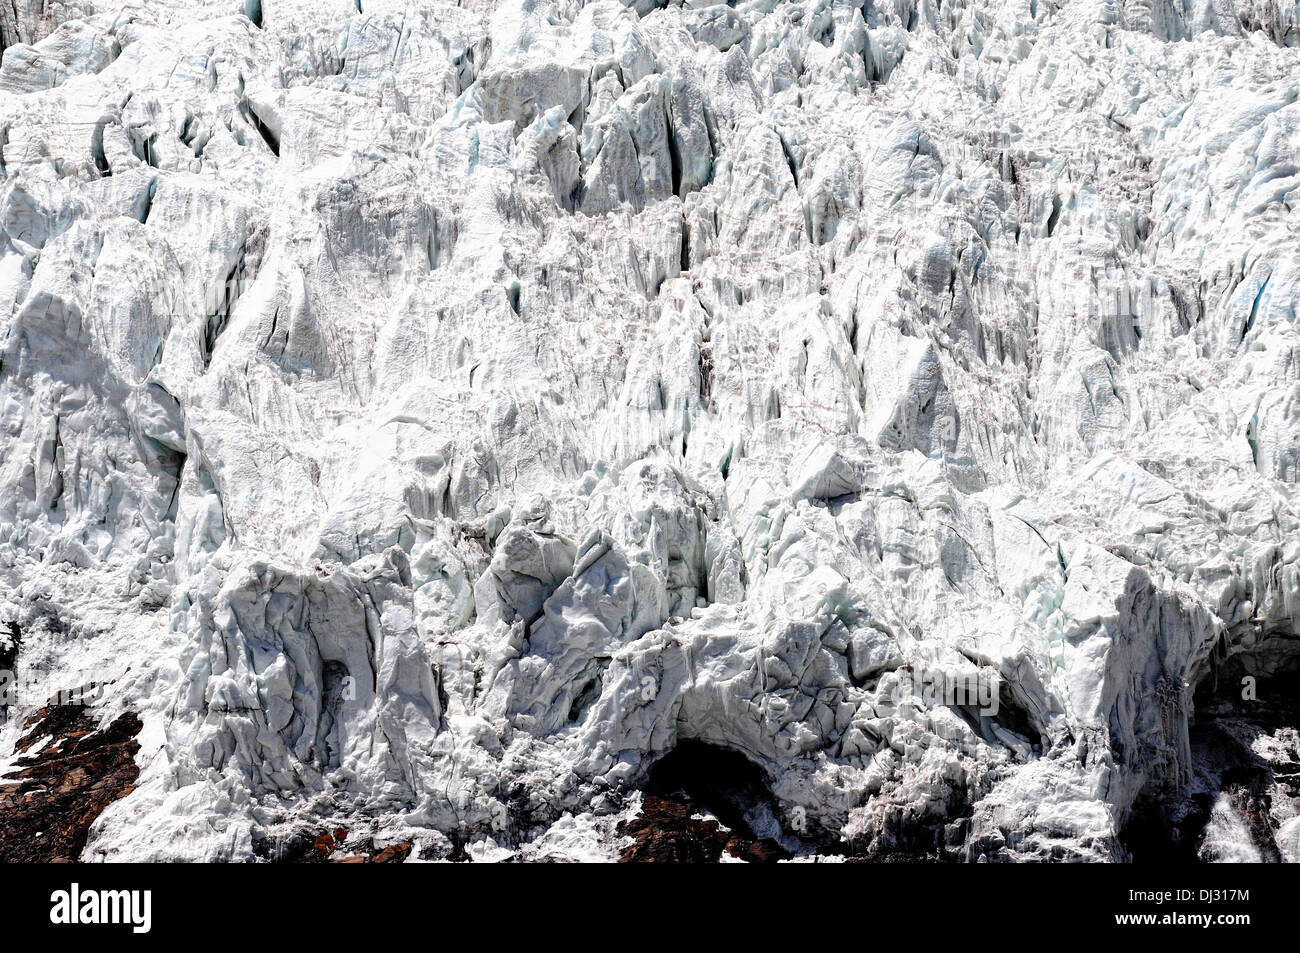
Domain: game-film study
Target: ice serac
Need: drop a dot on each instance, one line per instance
(427, 418)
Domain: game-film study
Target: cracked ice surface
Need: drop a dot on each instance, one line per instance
(430, 415)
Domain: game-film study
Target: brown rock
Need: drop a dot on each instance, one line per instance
(393, 854)
(49, 804)
(666, 832)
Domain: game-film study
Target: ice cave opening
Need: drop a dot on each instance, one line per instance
(720, 781)
(1241, 801)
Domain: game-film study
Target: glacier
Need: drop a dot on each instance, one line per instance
(427, 417)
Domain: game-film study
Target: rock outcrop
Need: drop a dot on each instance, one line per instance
(70, 768)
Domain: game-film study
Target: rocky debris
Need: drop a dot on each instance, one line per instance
(670, 831)
(334, 846)
(50, 798)
(326, 843)
(366, 853)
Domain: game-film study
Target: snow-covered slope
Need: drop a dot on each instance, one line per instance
(427, 416)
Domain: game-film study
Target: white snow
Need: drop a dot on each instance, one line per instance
(431, 414)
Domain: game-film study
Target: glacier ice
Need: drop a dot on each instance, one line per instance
(427, 416)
